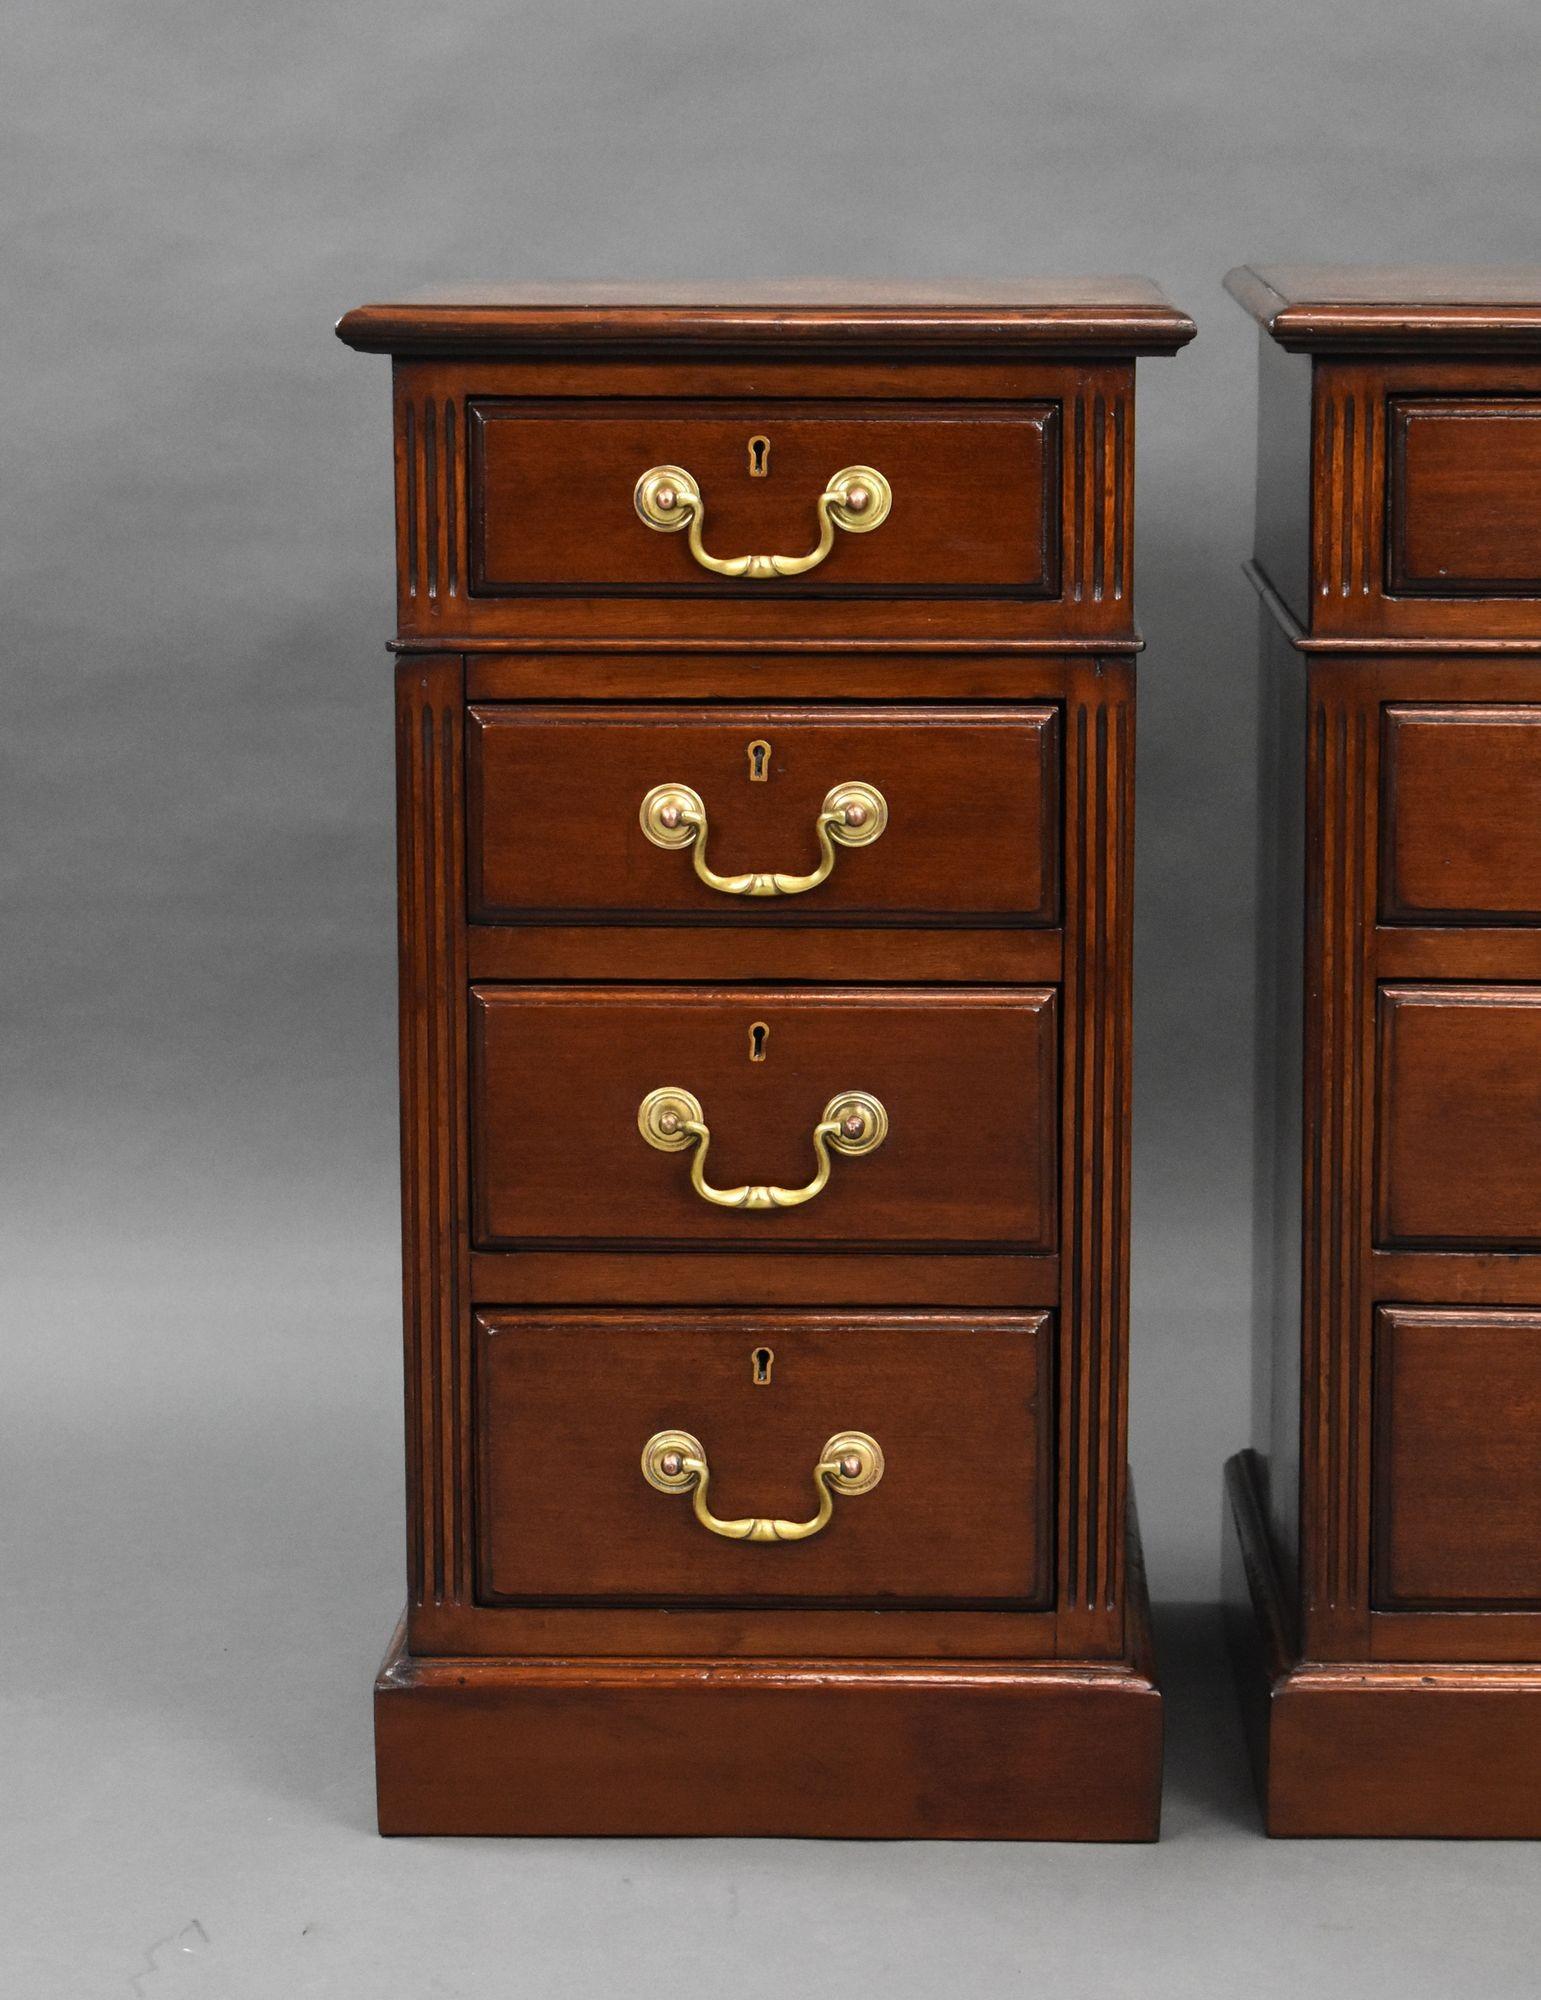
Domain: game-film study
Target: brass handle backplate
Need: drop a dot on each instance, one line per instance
(852, 815)
(850, 1463)
(668, 498)
(671, 1119)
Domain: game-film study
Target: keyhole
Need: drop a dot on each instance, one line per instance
(759, 458)
(759, 1035)
(763, 1360)
(759, 753)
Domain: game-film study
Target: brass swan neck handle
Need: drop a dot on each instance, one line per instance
(852, 815)
(668, 498)
(671, 1119)
(850, 1463)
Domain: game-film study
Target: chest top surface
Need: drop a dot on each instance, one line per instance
(1355, 307)
(1125, 315)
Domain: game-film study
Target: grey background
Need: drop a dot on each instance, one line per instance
(201, 1430)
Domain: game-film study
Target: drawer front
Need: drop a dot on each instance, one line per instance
(1457, 1481)
(960, 1411)
(1461, 814)
(965, 1082)
(553, 497)
(1465, 514)
(1459, 1140)
(965, 825)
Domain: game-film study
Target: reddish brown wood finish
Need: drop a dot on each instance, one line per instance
(1457, 1476)
(554, 827)
(1459, 1106)
(559, 1074)
(960, 1407)
(1461, 813)
(551, 496)
(1387, 1525)
(963, 1650)
(862, 1749)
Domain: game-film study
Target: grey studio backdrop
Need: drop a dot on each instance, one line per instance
(201, 1375)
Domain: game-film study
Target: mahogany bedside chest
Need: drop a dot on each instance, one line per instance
(765, 736)
(1385, 1546)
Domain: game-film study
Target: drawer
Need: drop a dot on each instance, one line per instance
(945, 813)
(1465, 512)
(1457, 1478)
(1459, 1115)
(964, 1121)
(1461, 813)
(960, 1411)
(554, 503)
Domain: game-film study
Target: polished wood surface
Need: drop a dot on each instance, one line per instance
(967, 1076)
(963, 1649)
(960, 1407)
(1461, 813)
(553, 826)
(1385, 1626)
(1337, 308)
(862, 1749)
(976, 490)
(1457, 1463)
(1459, 1110)
(1129, 315)
(1465, 510)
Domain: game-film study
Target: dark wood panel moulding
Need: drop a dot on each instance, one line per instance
(1347, 647)
(1119, 315)
(1461, 309)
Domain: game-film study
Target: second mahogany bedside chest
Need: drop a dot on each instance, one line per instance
(1385, 1546)
(765, 751)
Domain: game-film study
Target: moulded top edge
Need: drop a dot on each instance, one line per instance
(1126, 315)
(1355, 307)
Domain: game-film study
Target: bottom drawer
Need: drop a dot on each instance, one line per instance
(1457, 1480)
(959, 1411)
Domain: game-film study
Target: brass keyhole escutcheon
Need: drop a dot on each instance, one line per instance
(759, 458)
(762, 1361)
(759, 755)
(759, 1035)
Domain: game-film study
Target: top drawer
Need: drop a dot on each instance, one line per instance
(951, 501)
(964, 502)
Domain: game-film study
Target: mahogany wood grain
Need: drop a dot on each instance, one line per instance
(1377, 1750)
(976, 490)
(644, 1275)
(961, 1409)
(1128, 315)
(1459, 1100)
(769, 950)
(1457, 1458)
(972, 794)
(1461, 813)
(1465, 510)
(606, 1666)
(804, 1746)
(967, 1075)
(446, 591)
(1384, 1539)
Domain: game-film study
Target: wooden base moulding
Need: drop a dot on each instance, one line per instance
(1371, 1748)
(852, 1749)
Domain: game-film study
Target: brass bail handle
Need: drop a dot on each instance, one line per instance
(850, 1463)
(852, 815)
(857, 499)
(671, 1119)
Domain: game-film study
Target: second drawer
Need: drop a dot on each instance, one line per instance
(701, 813)
(688, 1115)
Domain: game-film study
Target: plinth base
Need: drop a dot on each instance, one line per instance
(854, 1749)
(1360, 1747)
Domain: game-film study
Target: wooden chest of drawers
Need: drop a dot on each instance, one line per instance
(1386, 1533)
(765, 704)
